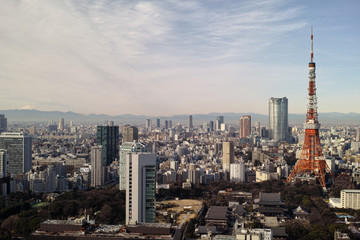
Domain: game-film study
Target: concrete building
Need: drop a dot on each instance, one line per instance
(237, 173)
(3, 123)
(278, 119)
(350, 198)
(148, 124)
(140, 187)
(126, 148)
(97, 166)
(228, 155)
(245, 126)
(130, 133)
(19, 151)
(357, 134)
(61, 125)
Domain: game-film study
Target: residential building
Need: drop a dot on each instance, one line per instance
(237, 172)
(228, 155)
(350, 198)
(97, 166)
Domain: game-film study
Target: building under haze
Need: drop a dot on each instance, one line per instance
(158, 123)
(97, 166)
(245, 126)
(278, 119)
(108, 138)
(130, 133)
(140, 187)
(19, 151)
(61, 125)
(148, 124)
(125, 149)
(228, 155)
(191, 122)
(219, 121)
(3, 123)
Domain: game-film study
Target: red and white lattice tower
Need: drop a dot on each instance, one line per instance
(311, 159)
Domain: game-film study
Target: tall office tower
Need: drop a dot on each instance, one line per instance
(97, 166)
(140, 189)
(357, 135)
(278, 119)
(108, 138)
(126, 148)
(166, 123)
(258, 128)
(245, 126)
(311, 159)
(190, 122)
(3, 123)
(170, 123)
(130, 133)
(219, 121)
(3, 163)
(148, 124)
(228, 155)
(237, 172)
(19, 151)
(61, 125)
(158, 123)
(211, 126)
(71, 124)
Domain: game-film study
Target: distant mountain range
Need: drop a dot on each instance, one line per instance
(32, 115)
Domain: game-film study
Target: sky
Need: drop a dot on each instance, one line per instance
(161, 58)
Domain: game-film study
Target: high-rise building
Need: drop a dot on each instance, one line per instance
(219, 121)
(211, 126)
(97, 166)
(237, 172)
(108, 138)
(245, 126)
(130, 133)
(357, 134)
(140, 187)
(19, 151)
(3, 163)
(170, 123)
(190, 122)
(158, 123)
(258, 128)
(278, 119)
(61, 125)
(350, 198)
(126, 148)
(148, 124)
(166, 123)
(3, 123)
(228, 155)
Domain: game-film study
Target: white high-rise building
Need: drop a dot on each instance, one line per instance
(97, 166)
(278, 119)
(140, 187)
(237, 173)
(19, 151)
(126, 148)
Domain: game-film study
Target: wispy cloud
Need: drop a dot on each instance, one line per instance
(151, 57)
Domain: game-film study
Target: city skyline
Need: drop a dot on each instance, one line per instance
(60, 55)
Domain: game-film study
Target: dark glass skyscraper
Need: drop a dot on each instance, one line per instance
(108, 138)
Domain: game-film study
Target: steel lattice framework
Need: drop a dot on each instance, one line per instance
(311, 159)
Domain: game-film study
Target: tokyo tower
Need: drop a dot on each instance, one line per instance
(311, 159)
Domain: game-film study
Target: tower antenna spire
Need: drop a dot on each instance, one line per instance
(312, 51)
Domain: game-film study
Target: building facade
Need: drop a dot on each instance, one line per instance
(228, 155)
(140, 187)
(237, 172)
(126, 148)
(130, 133)
(108, 138)
(245, 126)
(3, 123)
(350, 198)
(97, 166)
(278, 119)
(19, 151)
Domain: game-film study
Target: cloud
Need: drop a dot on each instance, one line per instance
(151, 57)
